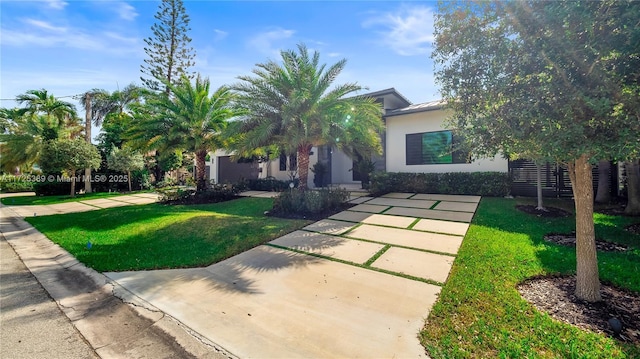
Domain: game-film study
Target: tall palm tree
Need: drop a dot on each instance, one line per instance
(40, 102)
(190, 119)
(292, 106)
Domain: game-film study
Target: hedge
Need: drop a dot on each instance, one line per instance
(12, 184)
(492, 184)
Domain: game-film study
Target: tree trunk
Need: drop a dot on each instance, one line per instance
(303, 165)
(633, 188)
(157, 170)
(603, 195)
(72, 174)
(129, 178)
(200, 173)
(87, 137)
(540, 206)
(587, 279)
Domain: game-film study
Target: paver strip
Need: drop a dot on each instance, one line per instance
(408, 238)
(351, 216)
(402, 202)
(431, 213)
(439, 226)
(391, 221)
(329, 226)
(360, 199)
(273, 303)
(329, 246)
(447, 197)
(457, 206)
(415, 263)
(397, 195)
(369, 208)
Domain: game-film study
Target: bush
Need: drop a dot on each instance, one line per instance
(493, 184)
(53, 188)
(12, 184)
(268, 184)
(214, 194)
(300, 203)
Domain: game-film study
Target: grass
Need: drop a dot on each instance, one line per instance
(480, 313)
(158, 236)
(44, 200)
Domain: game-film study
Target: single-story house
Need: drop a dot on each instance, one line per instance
(412, 142)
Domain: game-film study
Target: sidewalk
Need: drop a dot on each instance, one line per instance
(105, 325)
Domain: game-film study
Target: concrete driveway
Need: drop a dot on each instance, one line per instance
(356, 285)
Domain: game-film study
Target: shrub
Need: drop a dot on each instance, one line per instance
(493, 184)
(300, 203)
(268, 184)
(53, 188)
(214, 194)
(12, 184)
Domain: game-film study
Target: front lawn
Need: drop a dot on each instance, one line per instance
(159, 236)
(480, 313)
(44, 200)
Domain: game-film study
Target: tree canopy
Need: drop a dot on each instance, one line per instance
(293, 107)
(547, 80)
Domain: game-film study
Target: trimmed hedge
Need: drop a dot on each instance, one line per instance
(214, 194)
(13, 184)
(268, 184)
(492, 184)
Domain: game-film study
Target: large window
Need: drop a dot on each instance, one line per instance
(293, 162)
(430, 148)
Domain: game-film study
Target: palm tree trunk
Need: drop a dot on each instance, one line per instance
(200, 170)
(603, 195)
(633, 188)
(87, 137)
(540, 206)
(303, 165)
(587, 279)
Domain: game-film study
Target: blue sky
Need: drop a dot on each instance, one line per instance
(69, 47)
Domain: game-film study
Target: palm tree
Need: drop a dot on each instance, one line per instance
(98, 104)
(41, 102)
(190, 119)
(291, 106)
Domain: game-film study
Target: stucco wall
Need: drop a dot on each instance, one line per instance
(428, 121)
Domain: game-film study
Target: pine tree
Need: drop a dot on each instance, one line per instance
(168, 50)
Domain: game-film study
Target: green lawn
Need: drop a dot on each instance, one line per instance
(160, 236)
(480, 313)
(43, 200)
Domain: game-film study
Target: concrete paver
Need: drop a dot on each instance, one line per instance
(402, 202)
(408, 238)
(457, 206)
(447, 197)
(369, 208)
(397, 195)
(415, 263)
(329, 226)
(105, 203)
(448, 227)
(72, 207)
(391, 221)
(351, 216)
(359, 199)
(250, 193)
(267, 195)
(330, 246)
(273, 303)
(431, 213)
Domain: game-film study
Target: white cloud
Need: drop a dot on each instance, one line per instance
(333, 54)
(125, 11)
(407, 31)
(44, 25)
(56, 4)
(265, 42)
(219, 35)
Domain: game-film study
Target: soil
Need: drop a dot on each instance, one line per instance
(548, 212)
(555, 296)
(569, 240)
(633, 228)
(311, 216)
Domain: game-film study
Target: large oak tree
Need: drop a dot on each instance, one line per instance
(548, 78)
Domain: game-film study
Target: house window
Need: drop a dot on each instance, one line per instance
(430, 148)
(293, 162)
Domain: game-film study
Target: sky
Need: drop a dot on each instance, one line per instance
(69, 47)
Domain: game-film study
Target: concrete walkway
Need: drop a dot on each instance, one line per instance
(356, 285)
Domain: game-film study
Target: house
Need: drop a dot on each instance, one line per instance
(413, 141)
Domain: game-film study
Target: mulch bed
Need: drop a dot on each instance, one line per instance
(549, 212)
(569, 240)
(311, 216)
(633, 228)
(555, 296)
